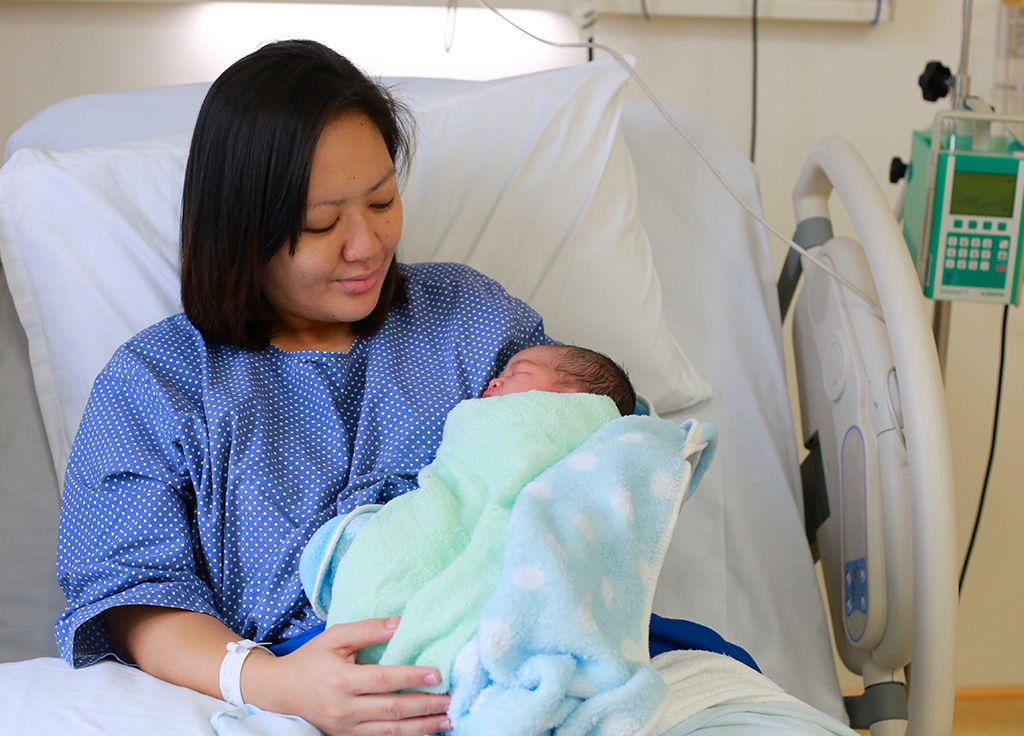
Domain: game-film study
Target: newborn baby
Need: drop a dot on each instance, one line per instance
(565, 369)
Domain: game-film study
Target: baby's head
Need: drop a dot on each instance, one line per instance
(565, 369)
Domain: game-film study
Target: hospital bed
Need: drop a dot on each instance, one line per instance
(592, 209)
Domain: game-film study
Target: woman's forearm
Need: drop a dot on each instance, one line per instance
(186, 648)
(181, 647)
(319, 682)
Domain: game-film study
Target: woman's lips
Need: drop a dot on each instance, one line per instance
(360, 284)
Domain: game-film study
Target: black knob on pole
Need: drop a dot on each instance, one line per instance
(935, 81)
(897, 169)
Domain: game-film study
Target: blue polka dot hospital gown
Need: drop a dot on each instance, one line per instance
(199, 471)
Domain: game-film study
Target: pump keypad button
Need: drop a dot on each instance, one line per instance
(968, 257)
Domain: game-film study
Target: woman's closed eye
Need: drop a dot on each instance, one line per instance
(320, 230)
(377, 206)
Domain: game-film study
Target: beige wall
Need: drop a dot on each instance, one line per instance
(815, 80)
(53, 50)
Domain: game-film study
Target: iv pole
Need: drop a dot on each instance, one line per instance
(942, 310)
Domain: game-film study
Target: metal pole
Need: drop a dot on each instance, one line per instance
(962, 82)
(941, 313)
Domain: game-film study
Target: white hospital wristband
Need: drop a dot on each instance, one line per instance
(231, 670)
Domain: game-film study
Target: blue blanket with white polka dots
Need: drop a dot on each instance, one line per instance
(561, 645)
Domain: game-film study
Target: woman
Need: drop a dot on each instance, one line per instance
(309, 374)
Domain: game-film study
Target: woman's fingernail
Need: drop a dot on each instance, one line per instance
(446, 724)
(432, 678)
(392, 623)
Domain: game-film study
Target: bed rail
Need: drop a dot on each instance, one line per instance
(835, 165)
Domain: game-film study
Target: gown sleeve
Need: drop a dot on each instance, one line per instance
(125, 535)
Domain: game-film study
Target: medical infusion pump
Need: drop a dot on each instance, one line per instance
(963, 213)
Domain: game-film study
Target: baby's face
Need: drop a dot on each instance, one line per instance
(532, 369)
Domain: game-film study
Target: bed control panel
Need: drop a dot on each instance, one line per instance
(849, 400)
(853, 495)
(855, 599)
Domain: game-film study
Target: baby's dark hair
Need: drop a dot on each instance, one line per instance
(596, 373)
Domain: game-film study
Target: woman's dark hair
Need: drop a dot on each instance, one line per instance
(247, 180)
(596, 373)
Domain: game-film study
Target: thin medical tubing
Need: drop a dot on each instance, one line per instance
(834, 163)
(693, 144)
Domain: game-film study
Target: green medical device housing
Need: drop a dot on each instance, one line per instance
(962, 220)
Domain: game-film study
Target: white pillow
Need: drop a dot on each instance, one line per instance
(527, 179)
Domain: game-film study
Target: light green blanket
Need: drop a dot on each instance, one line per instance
(434, 556)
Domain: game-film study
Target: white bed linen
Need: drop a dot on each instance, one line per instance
(121, 700)
(89, 237)
(110, 698)
(720, 300)
(738, 562)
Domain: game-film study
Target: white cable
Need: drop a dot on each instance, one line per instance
(892, 406)
(901, 203)
(449, 25)
(693, 144)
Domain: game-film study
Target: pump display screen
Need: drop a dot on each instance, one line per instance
(981, 194)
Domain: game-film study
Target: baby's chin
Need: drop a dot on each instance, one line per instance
(500, 391)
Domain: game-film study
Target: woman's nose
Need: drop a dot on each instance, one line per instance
(361, 242)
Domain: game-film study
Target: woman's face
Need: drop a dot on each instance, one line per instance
(353, 222)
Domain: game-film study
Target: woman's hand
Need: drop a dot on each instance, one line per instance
(321, 683)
